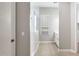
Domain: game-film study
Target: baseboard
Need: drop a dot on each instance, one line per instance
(46, 41)
(73, 51)
(67, 50)
(36, 50)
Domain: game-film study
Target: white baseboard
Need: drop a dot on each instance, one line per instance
(46, 41)
(36, 49)
(73, 51)
(67, 50)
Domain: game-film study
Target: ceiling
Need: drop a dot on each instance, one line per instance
(45, 4)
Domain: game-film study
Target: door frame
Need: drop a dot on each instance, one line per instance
(13, 28)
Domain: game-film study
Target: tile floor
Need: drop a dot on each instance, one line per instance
(50, 49)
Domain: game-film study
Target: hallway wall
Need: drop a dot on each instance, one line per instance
(73, 27)
(64, 26)
(34, 28)
(23, 28)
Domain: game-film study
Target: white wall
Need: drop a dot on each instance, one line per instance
(77, 7)
(64, 25)
(77, 21)
(34, 29)
(73, 26)
(52, 16)
(77, 26)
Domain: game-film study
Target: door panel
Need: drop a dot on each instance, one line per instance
(5, 29)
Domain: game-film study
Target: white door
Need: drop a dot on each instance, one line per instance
(7, 29)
